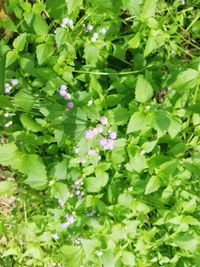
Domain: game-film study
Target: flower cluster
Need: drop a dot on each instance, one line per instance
(9, 86)
(78, 191)
(67, 96)
(67, 22)
(70, 219)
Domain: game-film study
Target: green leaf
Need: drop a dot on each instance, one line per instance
(187, 79)
(32, 166)
(5, 102)
(135, 41)
(30, 124)
(149, 8)
(95, 184)
(73, 255)
(11, 57)
(60, 191)
(27, 65)
(8, 153)
(156, 39)
(195, 108)
(39, 24)
(161, 121)
(152, 185)
(108, 259)
(73, 5)
(186, 241)
(24, 100)
(43, 52)
(61, 170)
(139, 121)
(125, 199)
(118, 115)
(137, 163)
(61, 36)
(128, 258)
(19, 42)
(143, 90)
(6, 187)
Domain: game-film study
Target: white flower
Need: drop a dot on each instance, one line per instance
(142, 152)
(6, 115)
(63, 87)
(90, 102)
(55, 236)
(148, 107)
(70, 23)
(89, 28)
(99, 128)
(93, 39)
(8, 88)
(14, 82)
(9, 123)
(78, 181)
(95, 35)
(103, 30)
(103, 120)
(65, 21)
(99, 253)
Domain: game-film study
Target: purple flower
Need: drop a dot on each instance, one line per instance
(14, 82)
(62, 92)
(70, 105)
(107, 144)
(99, 128)
(8, 88)
(112, 135)
(61, 202)
(65, 224)
(92, 152)
(103, 120)
(70, 218)
(89, 134)
(67, 96)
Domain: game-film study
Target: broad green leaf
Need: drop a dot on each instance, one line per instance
(108, 259)
(95, 184)
(61, 170)
(8, 153)
(27, 65)
(152, 185)
(73, 255)
(149, 8)
(139, 121)
(39, 25)
(128, 258)
(118, 115)
(195, 108)
(43, 52)
(61, 36)
(24, 100)
(137, 163)
(73, 5)
(30, 124)
(187, 79)
(156, 39)
(19, 42)
(125, 199)
(11, 57)
(161, 121)
(6, 187)
(32, 166)
(34, 251)
(5, 102)
(186, 241)
(60, 191)
(135, 41)
(143, 90)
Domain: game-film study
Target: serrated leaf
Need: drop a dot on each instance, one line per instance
(73, 255)
(8, 153)
(95, 184)
(152, 185)
(187, 79)
(186, 241)
(39, 24)
(60, 171)
(24, 100)
(139, 121)
(19, 42)
(143, 90)
(137, 163)
(30, 124)
(61, 36)
(43, 52)
(149, 8)
(128, 258)
(60, 191)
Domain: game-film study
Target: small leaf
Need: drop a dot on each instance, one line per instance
(43, 52)
(30, 124)
(149, 8)
(60, 191)
(73, 255)
(61, 36)
(137, 163)
(39, 24)
(187, 79)
(128, 258)
(143, 90)
(152, 185)
(19, 42)
(138, 121)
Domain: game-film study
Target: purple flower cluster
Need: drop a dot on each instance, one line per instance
(9, 86)
(67, 96)
(70, 219)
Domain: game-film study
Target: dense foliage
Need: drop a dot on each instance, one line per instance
(100, 127)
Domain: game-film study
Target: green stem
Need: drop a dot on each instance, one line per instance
(2, 74)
